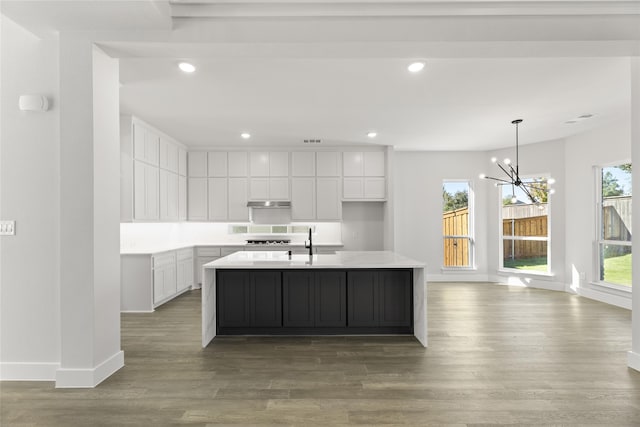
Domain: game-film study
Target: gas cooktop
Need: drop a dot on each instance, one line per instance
(268, 242)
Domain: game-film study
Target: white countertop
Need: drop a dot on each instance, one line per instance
(149, 250)
(343, 259)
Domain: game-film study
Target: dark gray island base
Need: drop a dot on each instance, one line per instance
(346, 293)
(314, 301)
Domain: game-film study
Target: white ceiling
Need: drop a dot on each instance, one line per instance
(453, 104)
(287, 70)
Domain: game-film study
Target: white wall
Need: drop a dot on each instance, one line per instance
(599, 147)
(363, 226)
(106, 189)
(417, 189)
(89, 215)
(539, 159)
(29, 194)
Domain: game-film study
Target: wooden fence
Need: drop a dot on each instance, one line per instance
(456, 250)
(535, 226)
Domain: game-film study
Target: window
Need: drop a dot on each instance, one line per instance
(614, 225)
(524, 228)
(457, 224)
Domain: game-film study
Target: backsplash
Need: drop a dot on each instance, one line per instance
(141, 235)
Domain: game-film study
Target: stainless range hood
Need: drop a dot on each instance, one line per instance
(273, 212)
(269, 204)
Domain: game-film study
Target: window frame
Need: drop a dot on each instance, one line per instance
(471, 226)
(599, 241)
(501, 236)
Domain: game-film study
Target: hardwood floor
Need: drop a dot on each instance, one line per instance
(497, 355)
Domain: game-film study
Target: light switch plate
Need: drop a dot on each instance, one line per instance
(7, 228)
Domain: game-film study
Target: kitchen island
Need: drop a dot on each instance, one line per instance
(346, 293)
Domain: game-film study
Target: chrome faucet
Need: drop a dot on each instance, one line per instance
(309, 245)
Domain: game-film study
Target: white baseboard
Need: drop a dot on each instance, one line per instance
(455, 276)
(89, 378)
(137, 311)
(528, 282)
(23, 371)
(633, 360)
(605, 297)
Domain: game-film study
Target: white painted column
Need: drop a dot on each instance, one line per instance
(89, 215)
(634, 354)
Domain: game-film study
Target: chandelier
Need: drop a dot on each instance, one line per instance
(533, 188)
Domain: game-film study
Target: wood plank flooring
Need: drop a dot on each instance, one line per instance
(497, 355)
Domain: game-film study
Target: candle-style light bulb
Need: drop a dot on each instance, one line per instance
(494, 159)
(507, 161)
(514, 200)
(482, 176)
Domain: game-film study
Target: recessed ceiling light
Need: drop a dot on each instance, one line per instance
(245, 135)
(372, 134)
(186, 67)
(585, 116)
(570, 122)
(415, 67)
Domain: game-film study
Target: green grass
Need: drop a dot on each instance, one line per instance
(618, 270)
(535, 264)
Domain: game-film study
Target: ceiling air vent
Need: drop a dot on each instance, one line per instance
(312, 141)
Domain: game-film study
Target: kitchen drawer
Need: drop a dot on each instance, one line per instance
(184, 254)
(208, 251)
(164, 259)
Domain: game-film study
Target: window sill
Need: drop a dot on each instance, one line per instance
(458, 269)
(607, 286)
(511, 271)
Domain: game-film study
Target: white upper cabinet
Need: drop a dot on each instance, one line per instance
(303, 199)
(182, 198)
(259, 163)
(279, 163)
(146, 145)
(237, 164)
(217, 164)
(364, 175)
(328, 199)
(151, 164)
(218, 199)
(279, 189)
(275, 164)
(169, 197)
(238, 210)
(197, 200)
(374, 163)
(168, 155)
(198, 164)
(352, 163)
(182, 162)
(328, 163)
(303, 163)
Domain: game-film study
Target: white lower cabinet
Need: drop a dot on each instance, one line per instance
(164, 277)
(204, 255)
(150, 280)
(185, 269)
